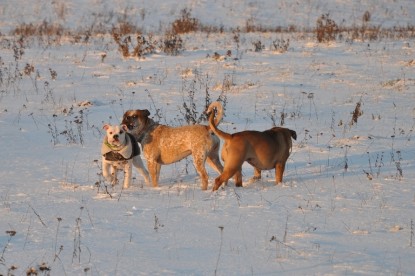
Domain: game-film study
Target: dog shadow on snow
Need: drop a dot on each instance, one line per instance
(295, 173)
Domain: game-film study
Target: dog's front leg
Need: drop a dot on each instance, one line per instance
(138, 163)
(128, 169)
(257, 174)
(113, 177)
(106, 171)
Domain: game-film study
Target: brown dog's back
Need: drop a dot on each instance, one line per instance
(263, 148)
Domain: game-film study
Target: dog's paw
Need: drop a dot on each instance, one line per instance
(254, 179)
(108, 178)
(113, 181)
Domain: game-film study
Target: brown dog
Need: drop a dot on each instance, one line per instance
(164, 145)
(265, 150)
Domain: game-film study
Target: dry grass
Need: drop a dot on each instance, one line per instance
(185, 24)
(132, 41)
(43, 29)
(326, 29)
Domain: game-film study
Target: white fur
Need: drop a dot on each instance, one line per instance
(118, 141)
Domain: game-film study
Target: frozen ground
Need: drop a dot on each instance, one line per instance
(346, 207)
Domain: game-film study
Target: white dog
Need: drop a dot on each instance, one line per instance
(120, 151)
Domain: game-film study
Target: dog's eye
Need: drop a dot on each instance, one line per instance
(121, 132)
(111, 133)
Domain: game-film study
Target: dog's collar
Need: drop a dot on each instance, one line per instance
(112, 147)
(149, 125)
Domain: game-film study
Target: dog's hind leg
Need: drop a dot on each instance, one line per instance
(154, 169)
(213, 158)
(214, 163)
(227, 174)
(238, 178)
(199, 163)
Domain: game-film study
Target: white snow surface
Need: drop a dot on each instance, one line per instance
(347, 204)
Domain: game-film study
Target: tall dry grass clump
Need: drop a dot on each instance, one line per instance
(185, 24)
(326, 29)
(131, 41)
(172, 44)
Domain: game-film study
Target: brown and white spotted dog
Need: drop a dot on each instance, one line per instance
(163, 145)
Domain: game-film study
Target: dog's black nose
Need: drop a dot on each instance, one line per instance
(115, 136)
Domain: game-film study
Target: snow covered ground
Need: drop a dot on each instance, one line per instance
(347, 204)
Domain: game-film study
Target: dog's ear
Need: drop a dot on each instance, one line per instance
(106, 126)
(146, 112)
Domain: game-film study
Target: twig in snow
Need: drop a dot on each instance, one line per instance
(220, 248)
(38, 216)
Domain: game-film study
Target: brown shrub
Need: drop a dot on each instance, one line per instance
(326, 29)
(43, 29)
(172, 44)
(185, 24)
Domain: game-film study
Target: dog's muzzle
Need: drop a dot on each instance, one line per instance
(129, 121)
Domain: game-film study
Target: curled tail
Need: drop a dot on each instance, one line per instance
(293, 134)
(214, 122)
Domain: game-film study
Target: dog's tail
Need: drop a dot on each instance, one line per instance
(214, 122)
(293, 134)
(219, 112)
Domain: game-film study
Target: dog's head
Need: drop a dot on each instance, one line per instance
(134, 119)
(115, 134)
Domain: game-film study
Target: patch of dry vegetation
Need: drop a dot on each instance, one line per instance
(132, 41)
(186, 23)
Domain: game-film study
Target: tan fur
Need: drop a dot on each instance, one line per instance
(265, 150)
(164, 145)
